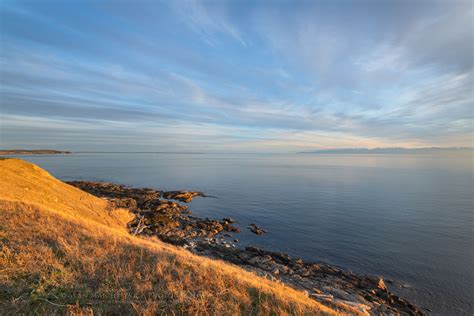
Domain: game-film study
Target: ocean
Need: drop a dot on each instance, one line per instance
(406, 218)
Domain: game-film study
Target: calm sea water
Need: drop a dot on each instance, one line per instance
(406, 218)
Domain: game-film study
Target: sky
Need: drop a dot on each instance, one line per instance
(235, 76)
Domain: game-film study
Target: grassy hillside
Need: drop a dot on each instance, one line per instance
(64, 250)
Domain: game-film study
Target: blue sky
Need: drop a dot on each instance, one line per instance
(248, 76)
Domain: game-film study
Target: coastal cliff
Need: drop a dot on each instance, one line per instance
(95, 247)
(66, 251)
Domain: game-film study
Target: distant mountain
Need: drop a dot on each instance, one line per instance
(393, 150)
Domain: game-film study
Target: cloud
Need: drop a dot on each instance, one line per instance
(235, 75)
(208, 21)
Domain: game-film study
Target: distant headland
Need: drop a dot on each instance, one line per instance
(32, 152)
(392, 150)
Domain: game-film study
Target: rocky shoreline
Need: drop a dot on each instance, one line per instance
(172, 222)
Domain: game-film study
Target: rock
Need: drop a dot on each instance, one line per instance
(304, 272)
(298, 261)
(232, 229)
(260, 261)
(321, 296)
(253, 249)
(381, 285)
(256, 230)
(281, 257)
(244, 256)
(128, 203)
(164, 222)
(183, 196)
(316, 291)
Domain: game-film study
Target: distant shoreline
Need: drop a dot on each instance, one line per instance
(140, 152)
(366, 151)
(33, 152)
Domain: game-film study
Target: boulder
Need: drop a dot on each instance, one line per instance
(183, 196)
(256, 230)
(127, 203)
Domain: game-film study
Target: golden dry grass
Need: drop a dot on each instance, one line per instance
(64, 251)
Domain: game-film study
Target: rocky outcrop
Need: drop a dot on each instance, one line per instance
(121, 195)
(183, 196)
(173, 223)
(323, 282)
(168, 220)
(256, 230)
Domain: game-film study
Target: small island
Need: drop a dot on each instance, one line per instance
(32, 152)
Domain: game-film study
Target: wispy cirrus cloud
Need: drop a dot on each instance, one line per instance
(208, 21)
